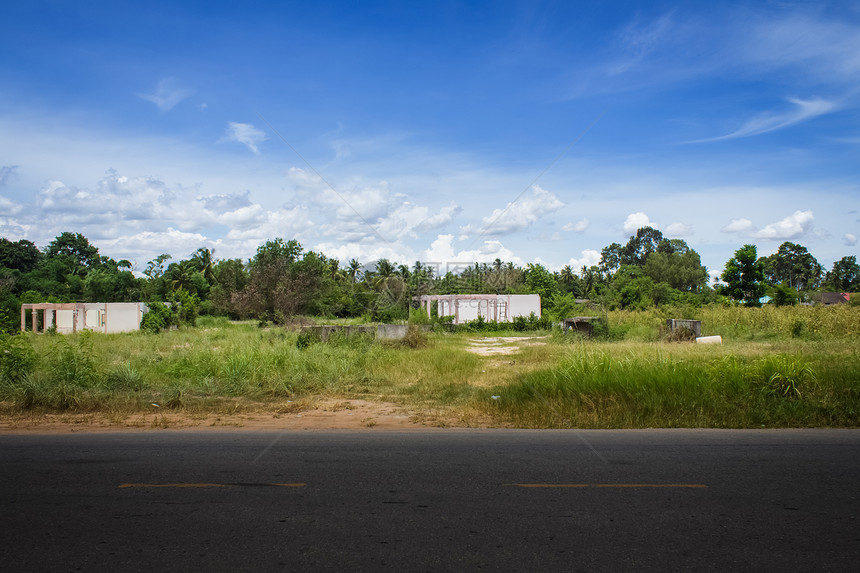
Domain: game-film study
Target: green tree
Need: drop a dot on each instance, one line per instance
(639, 246)
(794, 265)
(203, 262)
(681, 269)
(743, 276)
(540, 281)
(845, 275)
(77, 247)
(155, 267)
(21, 255)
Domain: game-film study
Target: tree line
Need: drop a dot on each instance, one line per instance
(283, 280)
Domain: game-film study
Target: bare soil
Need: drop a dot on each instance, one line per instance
(328, 414)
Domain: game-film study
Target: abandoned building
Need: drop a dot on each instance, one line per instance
(107, 317)
(490, 307)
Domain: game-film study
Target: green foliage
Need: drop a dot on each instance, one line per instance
(784, 295)
(793, 265)
(783, 375)
(307, 339)
(540, 281)
(743, 276)
(184, 307)
(845, 275)
(157, 318)
(17, 358)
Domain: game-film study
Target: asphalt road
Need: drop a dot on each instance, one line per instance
(452, 500)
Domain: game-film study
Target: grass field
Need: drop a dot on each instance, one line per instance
(776, 368)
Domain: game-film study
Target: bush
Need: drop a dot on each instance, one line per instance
(157, 318)
(16, 358)
(415, 337)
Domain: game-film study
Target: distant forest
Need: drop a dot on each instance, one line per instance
(283, 280)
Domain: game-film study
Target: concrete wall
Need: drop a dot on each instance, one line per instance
(468, 307)
(524, 305)
(107, 317)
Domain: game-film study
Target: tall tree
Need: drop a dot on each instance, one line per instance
(794, 265)
(75, 248)
(644, 242)
(845, 275)
(743, 276)
(19, 255)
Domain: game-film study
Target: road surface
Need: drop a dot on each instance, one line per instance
(445, 500)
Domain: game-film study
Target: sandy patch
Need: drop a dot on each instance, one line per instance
(322, 414)
(502, 345)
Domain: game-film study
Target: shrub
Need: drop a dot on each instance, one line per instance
(157, 318)
(16, 358)
(415, 337)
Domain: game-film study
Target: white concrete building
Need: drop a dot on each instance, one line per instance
(71, 317)
(466, 307)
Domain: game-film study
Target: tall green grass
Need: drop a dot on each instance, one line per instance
(767, 372)
(648, 386)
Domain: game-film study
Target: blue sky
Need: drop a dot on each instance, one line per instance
(442, 132)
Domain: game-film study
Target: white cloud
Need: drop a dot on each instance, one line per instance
(635, 221)
(142, 245)
(578, 227)
(9, 207)
(738, 226)
(443, 254)
(589, 258)
(166, 95)
(849, 240)
(678, 230)
(440, 219)
(246, 134)
(804, 110)
(793, 226)
(522, 213)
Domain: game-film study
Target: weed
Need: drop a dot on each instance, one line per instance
(414, 338)
(17, 358)
(783, 375)
(124, 376)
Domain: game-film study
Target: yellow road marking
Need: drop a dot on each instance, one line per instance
(148, 485)
(611, 485)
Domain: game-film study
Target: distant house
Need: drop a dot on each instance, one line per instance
(107, 317)
(831, 298)
(497, 307)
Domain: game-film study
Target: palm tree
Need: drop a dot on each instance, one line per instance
(202, 259)
(566, 274)
(184, 271)
(354, 267)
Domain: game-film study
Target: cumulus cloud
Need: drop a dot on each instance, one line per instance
(522, 213)
(166, 95)
(793, 226)
(446, 257)
(803, 110)
(578, 227)
(589, 258)
(9, 207)
(246, 134)
(440, 219)
(635, 221)
(142, 245)
(678, 230)
(738, 226)
(849, 239)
